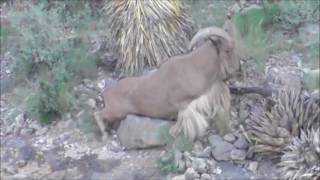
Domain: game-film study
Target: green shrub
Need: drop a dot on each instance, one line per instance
(167, 163)
(40, 40)
(53, 96)
(81, 63)
(294, 14)
(50, 45)
(207, 13)
(255, 40)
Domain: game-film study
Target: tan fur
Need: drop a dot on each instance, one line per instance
(211, 107)
(169, 91)
(214, 105)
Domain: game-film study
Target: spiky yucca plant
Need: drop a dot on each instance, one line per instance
(147, 32)
(301, 158)
(273, 130)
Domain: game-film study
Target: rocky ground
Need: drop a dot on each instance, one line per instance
(71, 148)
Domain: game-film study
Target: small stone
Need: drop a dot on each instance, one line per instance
(241, 143)
(205, 176)
(115, 147)
(16, 143)
(253, 166)
(26, 131)
(229, 137)
(199, 165)
(21, 163)
(57, 175)
(35, 125)
(101, 84)
(188, 163)
(191, 174)
(237, 154)
(20, 176)
(220, 149)
(91, 103)
(42, 131)
(211, 165)
(179, 177)
(205, 153)
(197, 146)
(217, 170)
(243, 114)
(19, 123)
(26, 153)
(181, 165)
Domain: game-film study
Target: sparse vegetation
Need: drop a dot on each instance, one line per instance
(50, 46)
(161, 29)
(252, 23)
(53, 48)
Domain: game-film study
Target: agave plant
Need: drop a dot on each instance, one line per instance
(147, 32)
(273, 130)
(301, 158)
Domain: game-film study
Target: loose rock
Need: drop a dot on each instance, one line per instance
(237, 154)
(199, 165)
(220, 149)
(191, 174)
(205, 176)
(42, 131)
(26, 131)
(229, 137)
(205, 153)
(241, 143)
(253, 166)
(179, 177)
(91, 103)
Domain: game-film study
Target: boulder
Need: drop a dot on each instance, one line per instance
(142, 132)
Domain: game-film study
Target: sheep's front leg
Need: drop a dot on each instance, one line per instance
(101, 125)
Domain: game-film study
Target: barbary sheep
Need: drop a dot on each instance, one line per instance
(212, 107)
(168, 92)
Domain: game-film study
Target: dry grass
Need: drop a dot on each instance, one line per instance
(147, 32)
(301, 157)
(273, 130)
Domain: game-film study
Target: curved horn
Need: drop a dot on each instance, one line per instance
(210, 32)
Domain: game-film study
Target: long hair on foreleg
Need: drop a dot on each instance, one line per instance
(219, 98)
(187, 125)
(212, 107)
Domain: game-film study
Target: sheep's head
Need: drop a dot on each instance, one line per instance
(225, 41)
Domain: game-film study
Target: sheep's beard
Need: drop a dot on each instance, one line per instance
(211, 107)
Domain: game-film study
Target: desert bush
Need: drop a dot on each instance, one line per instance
(295, 14)
(167, 163)
(50, 43)
(39, 40)
(53, 97)
(147, 32)
(43, 38)
(252, 23)
(207, 13)
(274, 127)
(171, 162)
